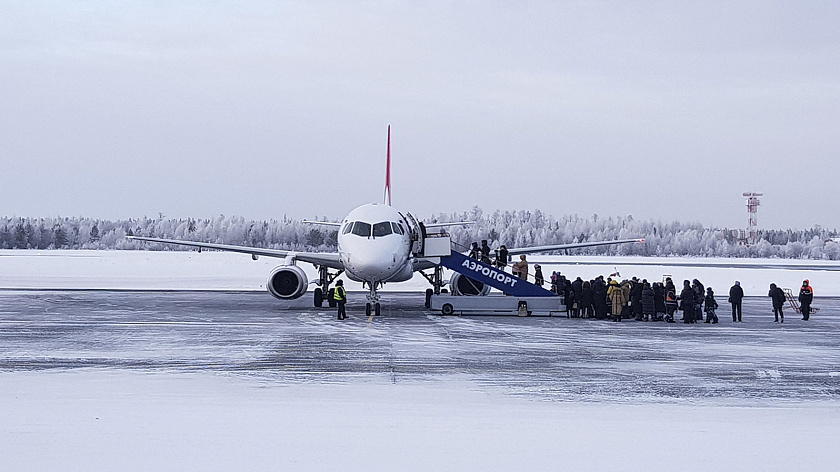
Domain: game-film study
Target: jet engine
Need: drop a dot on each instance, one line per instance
(287, 282)
(460, 284)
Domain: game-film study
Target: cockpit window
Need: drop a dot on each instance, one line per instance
(360, 228)
(397, 228)
(347, 228)
(381, 229)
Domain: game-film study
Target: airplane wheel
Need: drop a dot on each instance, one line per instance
(319, 298)
(377, 309)
(330, 299)
(447, 309)
(429, 293)
(367, 309)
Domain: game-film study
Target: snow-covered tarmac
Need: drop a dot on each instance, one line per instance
(128, 380)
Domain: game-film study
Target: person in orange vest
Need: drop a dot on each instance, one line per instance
(340, 297)
(806, 296)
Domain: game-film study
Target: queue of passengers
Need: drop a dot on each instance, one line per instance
(643, 301)
(638, 299)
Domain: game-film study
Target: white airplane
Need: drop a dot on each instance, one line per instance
(377, 244)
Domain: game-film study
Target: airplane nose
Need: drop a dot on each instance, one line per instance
(369, 267)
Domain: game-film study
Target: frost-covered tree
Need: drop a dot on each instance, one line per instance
(94, 233)
(512, 228)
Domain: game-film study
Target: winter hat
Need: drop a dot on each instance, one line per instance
(737, 283)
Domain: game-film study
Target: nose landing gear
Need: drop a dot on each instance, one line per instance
(372, 306)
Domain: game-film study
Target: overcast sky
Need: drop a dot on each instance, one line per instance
(662, 110)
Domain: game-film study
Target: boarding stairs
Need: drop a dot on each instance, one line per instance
(794, 302)
(438, 247)
(493, 276)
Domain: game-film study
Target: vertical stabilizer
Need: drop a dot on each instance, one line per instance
(388, 171)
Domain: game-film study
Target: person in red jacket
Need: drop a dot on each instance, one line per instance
(806, 296)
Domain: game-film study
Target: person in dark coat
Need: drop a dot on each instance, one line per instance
(711, 306)
(538, 275)
(670, 300)
(569, 299)
(699, 297)
(636, 298)
(586, 300)
(806, 296)
(659, 301)
(502, 258)
(777, 295)
(485, 252)
(670, 303)
(599, 298)
(475, 251)
(577, 288)
(736, 295)
(687, 302)
(648, 302)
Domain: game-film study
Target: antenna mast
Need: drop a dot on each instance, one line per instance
(752, 208)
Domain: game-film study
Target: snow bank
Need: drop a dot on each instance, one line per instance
(117, 420)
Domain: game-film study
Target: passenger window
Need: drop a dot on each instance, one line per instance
(347, 228)
(360, 228)
(381, 229)
(397, 228)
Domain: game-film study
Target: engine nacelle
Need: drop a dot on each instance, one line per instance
(287, 282)
(460, 284)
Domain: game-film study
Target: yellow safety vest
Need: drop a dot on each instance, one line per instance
(339, 294)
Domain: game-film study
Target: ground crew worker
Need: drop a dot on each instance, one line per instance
(806, 296)
(340, 297)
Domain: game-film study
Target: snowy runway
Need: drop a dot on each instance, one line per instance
(252, 335)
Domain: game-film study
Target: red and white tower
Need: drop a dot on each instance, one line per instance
(752, 209)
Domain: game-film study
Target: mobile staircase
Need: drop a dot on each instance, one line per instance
(520, 296)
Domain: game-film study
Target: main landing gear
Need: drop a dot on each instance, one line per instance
(436, 279)
(372, 306)
(325, 278)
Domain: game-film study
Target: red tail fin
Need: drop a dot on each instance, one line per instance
(388, 171)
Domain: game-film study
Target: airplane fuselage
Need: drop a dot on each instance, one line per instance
(374, 245)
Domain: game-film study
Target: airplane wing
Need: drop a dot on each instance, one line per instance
(443, 225)
(322, 223)
(327, 259)
(560, 247)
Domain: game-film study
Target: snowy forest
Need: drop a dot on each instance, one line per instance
(512, 228)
